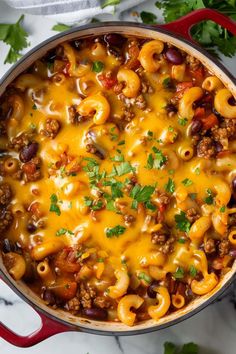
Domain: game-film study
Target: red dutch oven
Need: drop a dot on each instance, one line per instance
(178, 34)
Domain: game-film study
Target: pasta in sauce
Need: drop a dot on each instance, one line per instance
(118, 180)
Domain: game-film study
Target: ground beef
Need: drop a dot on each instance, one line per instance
(163, 198)
(51, 129)
(146, 87)
(224, 247)
(20, 142)
(140, 102)
(6, 219)
(3, 130)
(129, 219)
(209, 245)
(193, 62)
(159, 238)
(168, 246)
(230, 125)
(102, 302)
(192, 215)
(206, 148)
(74, 116)
(86, 295)
(5, 194)
(31, 170)
(73, 305)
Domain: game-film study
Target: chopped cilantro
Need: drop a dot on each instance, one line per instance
(54, 198)
(110, 3)
(63, 231)
(148, 17)
(209, 198)
(187, 182)
(142, 194)
(171, 172)
(179, 274)
(34, 107)
(60, 27)
(181, 240)
(97, 66)
(170, 186)
(144, 276)
(115, 231)
(222, 209)
(197, 171)
(157, 161)
(122, 142)
(192, 271)
(118, 158)
(55, 208)
(182, 121)
(182, 223)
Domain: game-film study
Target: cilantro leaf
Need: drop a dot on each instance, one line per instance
(124, 168)
(115, 231)
(63, 231)
(187, 182)
(183, 121)
(179, 274)
(61, 27)
(157, 161)
(182, 223)
(98, 66)
(148, 17)
(189, 348)
(144, 276)
(169, 348)
(142, 194)
(110, 3)
(170, 186)
(16, 37)
(209, 198)
(192, 271)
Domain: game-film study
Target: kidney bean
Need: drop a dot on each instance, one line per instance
(28, 152)
(234, 185)
(31, 228)
(114, 39)
(95, 313)
(151, 289)
(8, 246)
(174, 56)
(196, 126)
(49, 297)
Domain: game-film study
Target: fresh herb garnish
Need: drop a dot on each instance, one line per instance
(207, 33)
(55, 208)
(97, 66)
(93, 205)
(187, 182)
(193, 196)
(148, 17)
(170, 186)
(182, 121)
(188, 348)
(192, 271)
(209, 198)
(144, 276)
(115, 231)
(16, 37)
(118, 158)
(179, 274)
(34, 107)
(61, 27)
(122, 142)
(157, 161)
(63, 231)
(182, 223)
(197, 171)
(222, 209)
(181, 240)
(122, 169)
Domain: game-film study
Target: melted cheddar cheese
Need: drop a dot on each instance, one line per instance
(122, 194)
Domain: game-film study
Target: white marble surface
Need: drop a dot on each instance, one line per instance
(214, 328)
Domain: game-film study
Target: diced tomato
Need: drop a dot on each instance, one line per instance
(199, 113)
(162, 207)
(66, 261)
(223, 154)
(210, 121)
(182, 86)
(65, 289)
(198, 74)
(107, 82)
(29, 168)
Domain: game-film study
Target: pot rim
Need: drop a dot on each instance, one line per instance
(4, 83)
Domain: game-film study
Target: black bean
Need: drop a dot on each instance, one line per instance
(152, 293)
(31, 228)
(196, 126)
(95, 313)
(114, 39)
(174, 56)
(49, 297)
(28, 152)
(8, 246)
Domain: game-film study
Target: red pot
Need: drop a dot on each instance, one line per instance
(177, 33)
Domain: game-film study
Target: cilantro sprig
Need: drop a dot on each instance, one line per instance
(115, 231)
(207, 33)
(16, 37)
(188, 348)
(182, 223)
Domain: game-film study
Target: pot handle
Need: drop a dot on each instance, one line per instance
(183, 25)
(48, 328)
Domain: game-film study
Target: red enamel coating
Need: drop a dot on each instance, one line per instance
(183, 25)
(48, 328)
